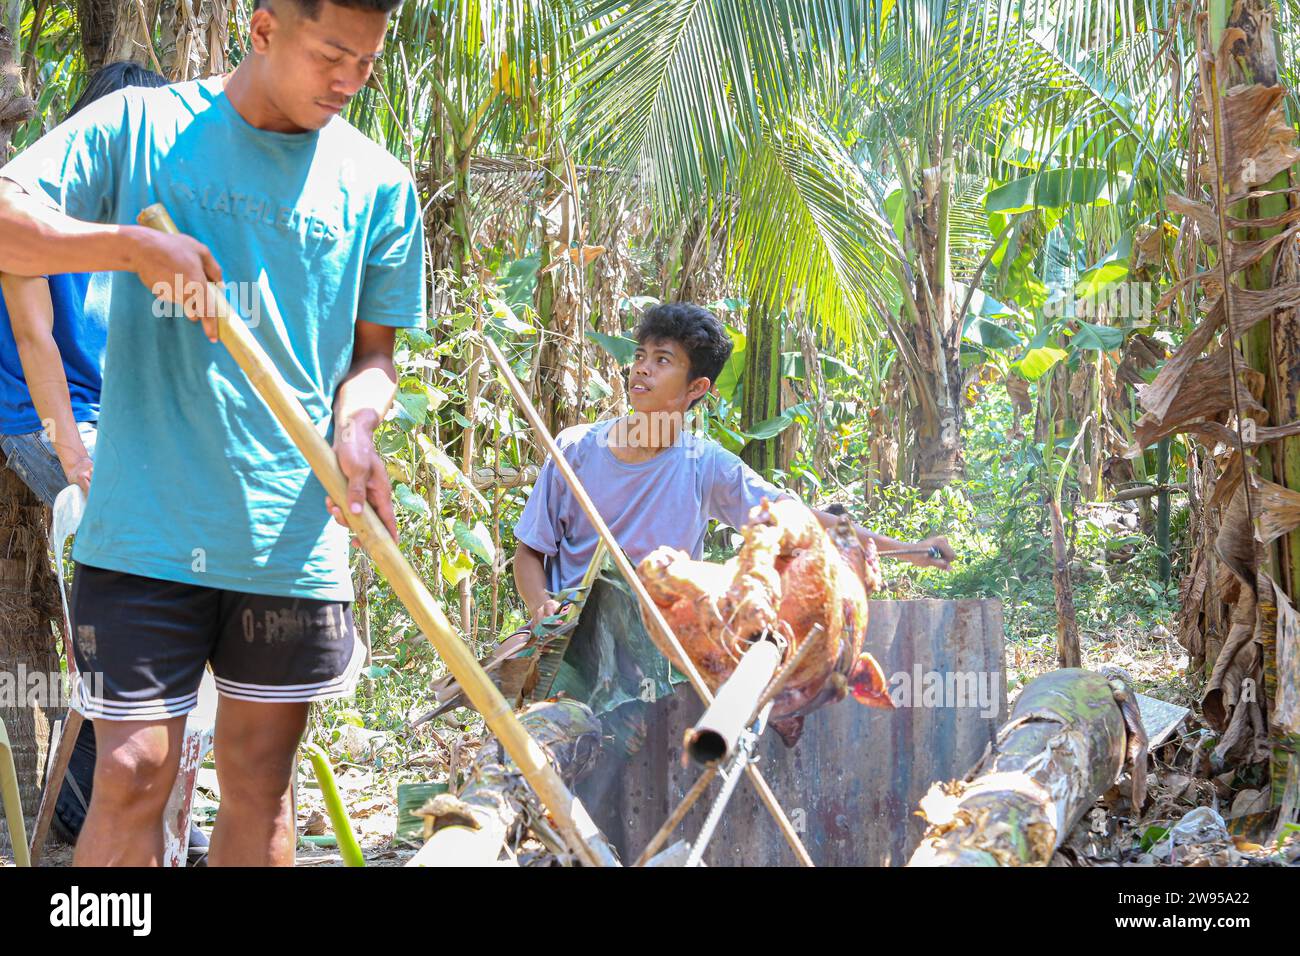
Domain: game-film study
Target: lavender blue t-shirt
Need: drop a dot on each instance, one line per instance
(667, 500)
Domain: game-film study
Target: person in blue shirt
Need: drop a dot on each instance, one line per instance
(52, 333)
(206, 537)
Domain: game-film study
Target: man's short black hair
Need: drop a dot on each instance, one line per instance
(311, 8)
(695, 329)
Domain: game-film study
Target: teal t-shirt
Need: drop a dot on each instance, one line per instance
(195, 481)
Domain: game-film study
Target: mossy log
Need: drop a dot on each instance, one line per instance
(1064, 746)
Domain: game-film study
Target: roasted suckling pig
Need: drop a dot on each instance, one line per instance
(788, 576)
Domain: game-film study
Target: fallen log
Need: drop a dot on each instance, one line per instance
(1069, 735)
(471, 827)
(484, 478)
(1148, 491)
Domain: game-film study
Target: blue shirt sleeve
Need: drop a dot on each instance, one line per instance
(75, 167)
(540, 526)
(735, 488)
(392, 289)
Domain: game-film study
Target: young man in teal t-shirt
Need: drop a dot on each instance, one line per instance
(206, 538)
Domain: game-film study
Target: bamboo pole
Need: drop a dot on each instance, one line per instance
(1162, 510)
(383, 550)
(54, 777)
(468, 619)
(654, 617)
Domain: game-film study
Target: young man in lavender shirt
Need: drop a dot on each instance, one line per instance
(653, 483)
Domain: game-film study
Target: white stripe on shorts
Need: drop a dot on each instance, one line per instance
(340, 686)
(98, 708)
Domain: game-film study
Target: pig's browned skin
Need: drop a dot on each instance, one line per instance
(788, 577)
(690, 594)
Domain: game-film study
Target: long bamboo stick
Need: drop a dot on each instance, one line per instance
(54, 783)
(383, 550)
(654, 616)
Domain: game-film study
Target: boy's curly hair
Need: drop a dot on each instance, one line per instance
(695, 329)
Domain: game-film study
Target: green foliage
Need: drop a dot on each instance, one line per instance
(997, 524)
(1051, 189)
(805, 130)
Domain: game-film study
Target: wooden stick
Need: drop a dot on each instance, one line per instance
(700, 785)
(651, 610)
(383, 550)
(68, 733)
(688, 801)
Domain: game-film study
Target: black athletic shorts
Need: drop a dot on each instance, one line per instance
(141, 645)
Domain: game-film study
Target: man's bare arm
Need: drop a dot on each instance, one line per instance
(36, 240)
(360, 405)
(31, 313)
(530, 580)
(885, 544)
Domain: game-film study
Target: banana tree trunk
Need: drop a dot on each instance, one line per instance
(192, 35)
(26, 637)
(762, 385)
(1273, 349)
(28, 657)
(1067, 628)
(97, 20)
(16, 107)
(1063, 747)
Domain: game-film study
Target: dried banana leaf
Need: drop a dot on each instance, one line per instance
(1157, 397)
(1249, 308)
(1240, 659)
(1212, 433)
(1277, 508)
(1207, 221)
(1203, 392)
(1284, 717)
(1257, 140)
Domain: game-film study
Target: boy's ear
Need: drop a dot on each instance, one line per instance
(699, 388)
